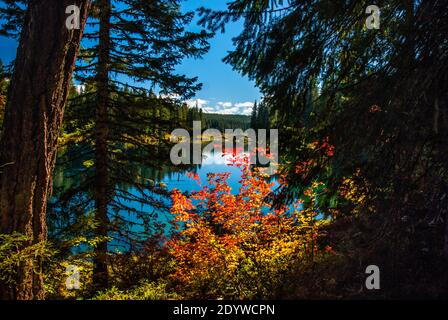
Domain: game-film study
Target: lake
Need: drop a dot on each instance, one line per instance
(212, 163)
(132, 216)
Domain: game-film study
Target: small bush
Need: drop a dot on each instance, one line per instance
(15, 250)
(144, 291)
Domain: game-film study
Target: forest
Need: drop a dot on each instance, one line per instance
(92, 207)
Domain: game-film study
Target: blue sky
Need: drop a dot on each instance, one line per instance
(224, 90)
(7, 49)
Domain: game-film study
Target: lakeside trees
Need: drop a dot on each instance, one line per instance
(260, 117)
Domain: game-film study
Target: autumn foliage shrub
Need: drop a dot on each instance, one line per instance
(235, 245)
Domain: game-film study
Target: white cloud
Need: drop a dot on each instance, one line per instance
(226, 104)
(80, 88)
(244, 104)
(209, 110)
(233, 110)
(201, 103)
(222, 107)
(173, 96)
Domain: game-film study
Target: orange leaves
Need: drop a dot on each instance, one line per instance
(327, 148)
(303, 167)
(223, 234)
(181, 206)
(194, 176)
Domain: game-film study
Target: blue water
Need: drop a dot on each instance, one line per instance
(212, 163)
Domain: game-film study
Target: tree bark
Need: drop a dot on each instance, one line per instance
(100, 274)
(42, 72)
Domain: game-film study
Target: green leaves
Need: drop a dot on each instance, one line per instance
(15, 249)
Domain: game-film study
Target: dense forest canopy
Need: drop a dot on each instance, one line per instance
(226, 121)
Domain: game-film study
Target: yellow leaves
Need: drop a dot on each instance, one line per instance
(350, 190)
(2, 100)
(88, 163)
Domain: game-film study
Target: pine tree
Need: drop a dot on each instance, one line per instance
(137, 45)
(262, 119)
(253, 118)
(12, 17)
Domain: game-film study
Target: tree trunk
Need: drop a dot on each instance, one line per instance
(43, 68)
(100, 275)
